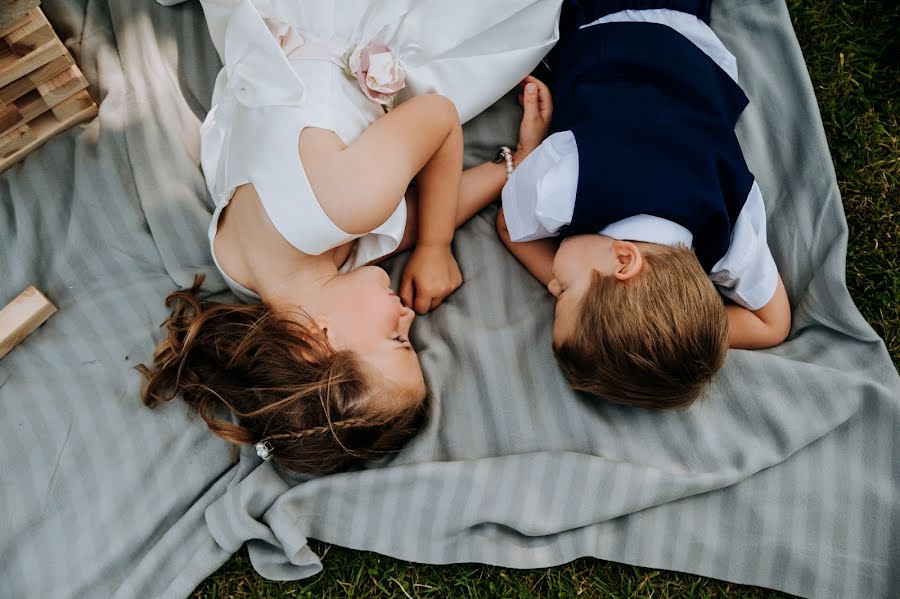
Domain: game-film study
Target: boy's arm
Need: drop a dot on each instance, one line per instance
(537, 102)
(536, 256)
(761, 328)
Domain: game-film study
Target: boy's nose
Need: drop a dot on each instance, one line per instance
(554, 287)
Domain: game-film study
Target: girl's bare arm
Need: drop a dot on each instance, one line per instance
(359, 186)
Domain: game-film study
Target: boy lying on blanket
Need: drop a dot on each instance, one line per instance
(644, 181)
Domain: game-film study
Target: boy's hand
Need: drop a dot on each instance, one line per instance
(537, 105)
(430, 275)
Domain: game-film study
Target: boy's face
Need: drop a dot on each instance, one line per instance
(576, 259)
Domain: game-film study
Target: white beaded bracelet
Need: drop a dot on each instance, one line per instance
(506, 154)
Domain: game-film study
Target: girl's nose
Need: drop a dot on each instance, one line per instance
(383, 277)
(406, 318)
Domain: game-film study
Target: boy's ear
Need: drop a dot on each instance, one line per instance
(629, 260)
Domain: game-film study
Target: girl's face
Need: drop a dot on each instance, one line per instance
(364, 315)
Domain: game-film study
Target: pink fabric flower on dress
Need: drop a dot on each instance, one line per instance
(285, 34)
(378, 71)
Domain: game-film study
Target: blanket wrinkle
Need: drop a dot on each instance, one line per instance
(55, 469)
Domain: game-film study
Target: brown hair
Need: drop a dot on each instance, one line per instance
(286, 385)
(652, 341)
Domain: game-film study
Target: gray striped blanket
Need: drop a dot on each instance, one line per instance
(784, 476)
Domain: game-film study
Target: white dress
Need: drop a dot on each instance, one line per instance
(286, 68)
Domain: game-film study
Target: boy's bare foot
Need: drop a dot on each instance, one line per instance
(537, 105)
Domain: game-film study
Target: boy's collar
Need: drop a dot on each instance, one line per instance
(650, 229)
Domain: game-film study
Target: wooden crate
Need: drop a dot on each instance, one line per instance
(42, 91)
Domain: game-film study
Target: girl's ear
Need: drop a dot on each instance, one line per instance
(319, 326)
(629, 260)
(320, 322)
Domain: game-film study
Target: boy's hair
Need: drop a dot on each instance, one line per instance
(284, 384)
(653, 341)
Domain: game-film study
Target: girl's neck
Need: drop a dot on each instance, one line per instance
(295, 281)
(266, 263)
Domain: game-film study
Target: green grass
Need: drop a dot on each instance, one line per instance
(851, 49)
(368, 575)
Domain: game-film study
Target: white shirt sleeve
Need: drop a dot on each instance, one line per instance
(539, 197)
(747, 273)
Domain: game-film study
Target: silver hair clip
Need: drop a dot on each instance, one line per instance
(264, 449)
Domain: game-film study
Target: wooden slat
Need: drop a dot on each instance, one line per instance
(62, 86)
(33, 34)
(22, 316)
(25, 84)
(10, 117)
(43, 128)
(7, 58)
(18, 20)
(73, 105)
(10, 70)
(45, 97)
(15, 140)
(31, 105)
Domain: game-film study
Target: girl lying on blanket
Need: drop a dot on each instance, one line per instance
(308, 170)
(644, 179)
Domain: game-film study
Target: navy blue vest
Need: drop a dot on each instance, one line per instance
(653, 118)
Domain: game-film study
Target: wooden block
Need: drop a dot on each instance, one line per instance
(31, 105)
(15, 13)
(7, 58)
(33, 34)
(22, 316)
(46, 96)
(43, 128)
(10, 117)
(15, 140)
(18, 66)
(10, 26)
(25, 84)
(73, 105)
(62, 86)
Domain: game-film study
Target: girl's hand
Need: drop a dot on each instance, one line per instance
(430, 275)
(537, 104)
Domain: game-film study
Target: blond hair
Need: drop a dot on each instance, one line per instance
(652, 341)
